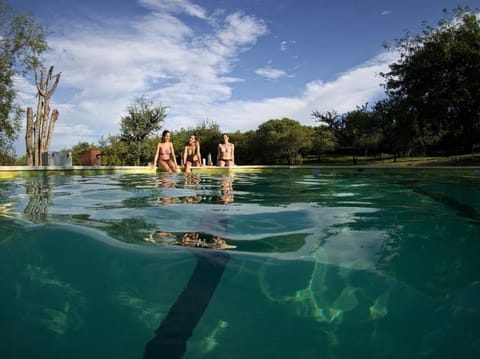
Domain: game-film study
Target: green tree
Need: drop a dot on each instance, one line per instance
(363, 131)
(143, 120)
(323, 140)
(356, 132)
(283, 140)
(22, 41)
(397, 126)
(336, 123)
(246, 147)
(115, 151)
(438, 80)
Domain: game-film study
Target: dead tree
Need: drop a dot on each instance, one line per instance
(28, 136)
(39, 129)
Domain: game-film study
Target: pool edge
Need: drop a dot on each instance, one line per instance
(11, 172)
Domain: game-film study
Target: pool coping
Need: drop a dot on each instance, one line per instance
(7, 172)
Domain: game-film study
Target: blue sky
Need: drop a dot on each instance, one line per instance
(238, 63)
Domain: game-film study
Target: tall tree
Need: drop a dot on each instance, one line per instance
(283, 140)
(115, 151)
(22, 42)
(363, 131)
(438, 79)
(323, 141)
(246, 147)
(356, 131)
(39, 132)
(397, 126)
(143, 119)
(336, 123)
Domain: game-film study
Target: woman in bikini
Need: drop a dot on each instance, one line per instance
(165, 154)
(191, 154)
(226, 153)
(197, 145)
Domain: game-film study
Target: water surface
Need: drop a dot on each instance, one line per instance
(327, 263)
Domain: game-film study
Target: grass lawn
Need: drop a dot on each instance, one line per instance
(386, 160)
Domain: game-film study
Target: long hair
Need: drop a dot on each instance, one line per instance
(164, 134)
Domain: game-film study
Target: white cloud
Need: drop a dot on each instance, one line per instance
(386, 12)
(284, 44)
(105, 67)
(26, 91)
(176, 6)
(157, 55)
(240, 31)
(270, 73)
(349, 90)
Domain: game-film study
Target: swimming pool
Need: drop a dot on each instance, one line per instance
(325, 263)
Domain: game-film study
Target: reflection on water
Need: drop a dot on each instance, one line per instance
(189, 239)
(226, 190)
(38, 191)
(358, 264)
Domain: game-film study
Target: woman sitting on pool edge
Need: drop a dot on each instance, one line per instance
(226, 153)
(191, 154)
(165, 154)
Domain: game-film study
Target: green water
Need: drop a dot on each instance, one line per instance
(327, 264)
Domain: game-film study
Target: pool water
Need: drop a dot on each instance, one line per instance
(322, 263)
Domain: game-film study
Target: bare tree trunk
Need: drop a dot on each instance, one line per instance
(28, 136)
(51, 124)
(38, 119)
(36, 131)
(44, 122)
(43, 134)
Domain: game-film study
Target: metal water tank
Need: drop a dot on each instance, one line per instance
(62, 158)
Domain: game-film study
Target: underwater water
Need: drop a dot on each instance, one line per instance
(320, 263)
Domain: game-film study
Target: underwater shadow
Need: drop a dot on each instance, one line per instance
(177, 327)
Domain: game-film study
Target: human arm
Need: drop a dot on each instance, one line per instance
(199, 156)
(233, 153)
(173, 154)
(155, 161)
(184, 156)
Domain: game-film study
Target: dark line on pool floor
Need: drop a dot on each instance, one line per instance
(177, 327)
(462, 209)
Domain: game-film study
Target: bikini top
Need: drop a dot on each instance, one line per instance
(165, 151)
(226, 149)
(191, 152)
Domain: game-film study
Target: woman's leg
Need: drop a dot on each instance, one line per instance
(165, 165)
(172, 166)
